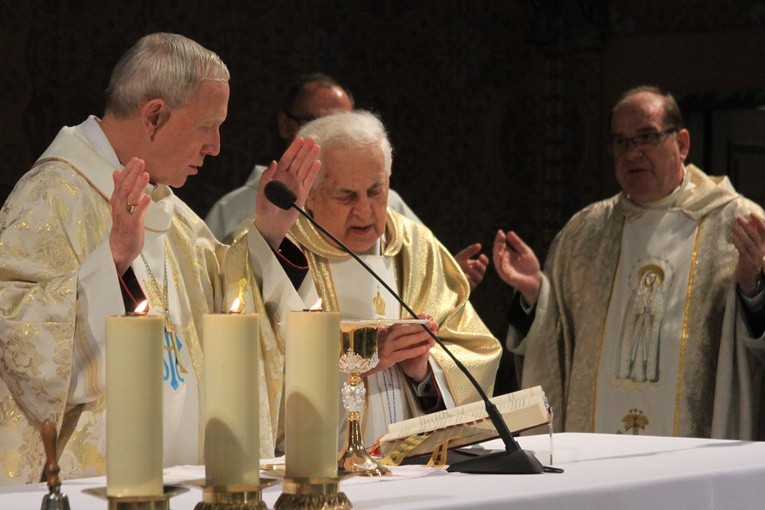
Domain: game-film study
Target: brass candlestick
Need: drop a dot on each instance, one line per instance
(359, 354)
(312, 494)
(138, 502)
(234, 497)
(54, 500)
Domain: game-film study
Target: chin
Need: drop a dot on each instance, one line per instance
(359, 246)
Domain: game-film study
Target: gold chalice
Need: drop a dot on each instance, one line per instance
(358, 355)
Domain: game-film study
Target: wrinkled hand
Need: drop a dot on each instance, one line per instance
(473, 264)
(517, 265)
(297, 169)
(407, 345)
(129, 203)
(749, 241)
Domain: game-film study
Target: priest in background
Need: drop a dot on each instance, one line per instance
(295, 266)
(648, 318)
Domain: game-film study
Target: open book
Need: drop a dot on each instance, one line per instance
(466, 424)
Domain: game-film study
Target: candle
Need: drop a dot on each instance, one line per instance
(134, 406)
(232, 428)
(312, 401)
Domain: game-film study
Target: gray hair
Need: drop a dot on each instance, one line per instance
(161, 66)
(357, 128)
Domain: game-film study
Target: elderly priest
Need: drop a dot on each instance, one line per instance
(295, 266)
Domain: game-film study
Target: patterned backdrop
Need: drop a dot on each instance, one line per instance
(495, 108)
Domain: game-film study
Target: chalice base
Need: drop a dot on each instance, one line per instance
(354, 457)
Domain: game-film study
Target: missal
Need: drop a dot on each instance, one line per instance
(465, 425)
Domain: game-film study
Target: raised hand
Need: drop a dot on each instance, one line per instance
(473, 264)
(517, 265)
(297, 168)
(749, 241)
(129, 202)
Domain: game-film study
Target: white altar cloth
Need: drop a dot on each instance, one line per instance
(602, 471)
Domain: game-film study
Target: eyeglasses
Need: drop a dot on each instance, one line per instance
(640, 141)
(300, 120)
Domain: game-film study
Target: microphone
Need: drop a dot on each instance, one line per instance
(514, 460)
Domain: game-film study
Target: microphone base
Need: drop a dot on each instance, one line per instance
(518, 462)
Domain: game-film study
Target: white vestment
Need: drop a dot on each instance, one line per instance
(59, 284)
(638, 326)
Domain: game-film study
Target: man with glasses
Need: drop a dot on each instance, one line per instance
(648, 316)
(312, 96)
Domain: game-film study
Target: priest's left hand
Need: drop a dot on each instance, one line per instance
(408, 345)
(749, 240)
(473, 263)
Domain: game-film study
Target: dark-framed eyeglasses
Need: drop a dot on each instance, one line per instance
(300, 120)
(641, 141)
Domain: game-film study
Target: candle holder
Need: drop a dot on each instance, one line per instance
(312, 494)
(359, 354)
(234, 497)
(55, 499)
(161, 502)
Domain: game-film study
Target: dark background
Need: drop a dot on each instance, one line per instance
(497, 110)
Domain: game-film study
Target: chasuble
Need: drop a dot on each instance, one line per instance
(638, 326)
(58, 283)
(427, 278)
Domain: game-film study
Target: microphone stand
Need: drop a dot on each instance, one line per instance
(514, 460)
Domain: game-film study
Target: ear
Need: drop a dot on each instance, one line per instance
(154, 114)
(684, 143)
(283, 123)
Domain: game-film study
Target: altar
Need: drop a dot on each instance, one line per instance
(601, 471)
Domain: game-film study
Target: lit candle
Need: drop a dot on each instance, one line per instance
(232, 428)
(134, 406)
(312, 403)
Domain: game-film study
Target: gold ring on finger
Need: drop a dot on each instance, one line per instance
(130, 208)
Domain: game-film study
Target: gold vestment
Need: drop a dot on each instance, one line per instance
(717, 390)
(430, 281)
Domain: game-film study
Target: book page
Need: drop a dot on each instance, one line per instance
(472, 412)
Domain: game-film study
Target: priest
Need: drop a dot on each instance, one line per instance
(93, 226)
(648, 317)
(296, 267)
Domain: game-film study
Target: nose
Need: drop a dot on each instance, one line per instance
(212, 147)
(631, 151)
(363, 207)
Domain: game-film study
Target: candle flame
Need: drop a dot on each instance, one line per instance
(317, 306)
(236, 306)
(142, 307)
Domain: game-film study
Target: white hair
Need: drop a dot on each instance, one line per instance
(356, 128)
(161, 65)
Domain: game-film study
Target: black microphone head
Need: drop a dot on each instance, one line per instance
(280, 195)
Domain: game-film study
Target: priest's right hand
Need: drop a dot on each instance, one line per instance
(407, 345)
(297, 169)
(517, 265)
(129, 202)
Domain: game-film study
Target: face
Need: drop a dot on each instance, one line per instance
(313, 101)
(184, 136)
(351, 198)
(650, 172)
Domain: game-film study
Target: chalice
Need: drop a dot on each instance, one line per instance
(358, 355)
